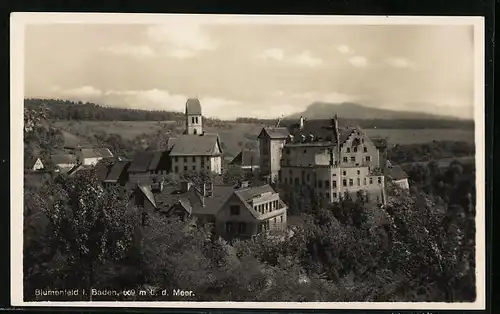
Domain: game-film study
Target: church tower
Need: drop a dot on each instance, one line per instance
(194, 120)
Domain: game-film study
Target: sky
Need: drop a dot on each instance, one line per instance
(253, 70)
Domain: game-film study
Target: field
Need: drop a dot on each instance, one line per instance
(236, 135)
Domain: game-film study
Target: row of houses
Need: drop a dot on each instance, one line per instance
(67, 161)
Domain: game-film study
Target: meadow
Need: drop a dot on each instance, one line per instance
(236, 136)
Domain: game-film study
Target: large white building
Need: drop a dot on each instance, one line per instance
(195, 150)
(329, 159)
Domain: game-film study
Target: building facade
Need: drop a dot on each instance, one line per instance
(332, 161)
(271, 143)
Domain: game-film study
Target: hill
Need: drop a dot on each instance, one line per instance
(320, 110)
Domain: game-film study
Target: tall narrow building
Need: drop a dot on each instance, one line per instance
(194, 119)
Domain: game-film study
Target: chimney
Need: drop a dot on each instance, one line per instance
(302, 138)
(185, 186)
(311, 137)
(290, 138)
(301, 123)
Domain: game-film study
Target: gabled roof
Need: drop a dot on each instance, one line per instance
(146, 190)
(193, 107)
(274, 132)
(195, 145)
(32, 160)
(249, 193)
(145, 161)
(63, 159)
(395, 172)
(116, 171)
(96, 152)
(246, 158)
(193, 199)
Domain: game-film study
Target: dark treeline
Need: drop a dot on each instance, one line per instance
(434, 150)
(77, 110)
(71, 110)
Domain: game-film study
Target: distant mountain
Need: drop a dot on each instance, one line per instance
(323, 110)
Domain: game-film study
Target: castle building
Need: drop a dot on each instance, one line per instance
(328, 159)
(271, 143)
(195, 150)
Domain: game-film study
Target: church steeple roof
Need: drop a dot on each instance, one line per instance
(193, 107)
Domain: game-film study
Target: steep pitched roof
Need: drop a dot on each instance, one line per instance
(396, 173)
(246, 158)
(145, 161)
(117, 169)
(96, 152)
(193, 107)
(63, 159)
(195, 145)
(193, 199)
(31, 162)
(146, 190)
(274, 132)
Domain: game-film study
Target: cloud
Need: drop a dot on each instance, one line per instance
(133, 50)
(344, 49)
(273, 54)
(401, 63)
(183, 40)
(358, 61)
(304, 59)
(83, 93)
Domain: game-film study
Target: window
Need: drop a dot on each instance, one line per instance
(229, 227)
(308, 177)
(365, 149)
(185, 168)
(241, 227)
(185, 159)
(371, 180)
(355, 149)
(351, 182)
(334, 183)
(344, 173)
(290, 171)
(344, 182)
(327, 195)
(194, 167)
(359, 181)
(364, 181)
(353, 158)
(234, 209)
(359, 172)
(286, 181)
(379, 180)
(192, 120)
(296, 181)
(196, 119)
(327, 184)
(368, 158)
(175, 158)
(348, 149)
(194, 159)
(344, 159)
(305, 151)
(176, 169)
(320, 184)
(334, 194)
(281, 218)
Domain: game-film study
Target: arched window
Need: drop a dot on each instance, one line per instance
(192, 120)
(195, 131)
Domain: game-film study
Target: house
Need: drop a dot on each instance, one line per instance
(35, 164)
(271, 142)
(249, 211)
(147, 165)
(329, 159)
(235, 211)
(117, 174)
(91, 156)
(195, 150)
(398, 176)
(247, 160)
(64, 162)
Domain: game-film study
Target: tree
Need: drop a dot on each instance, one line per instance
(92, 225)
